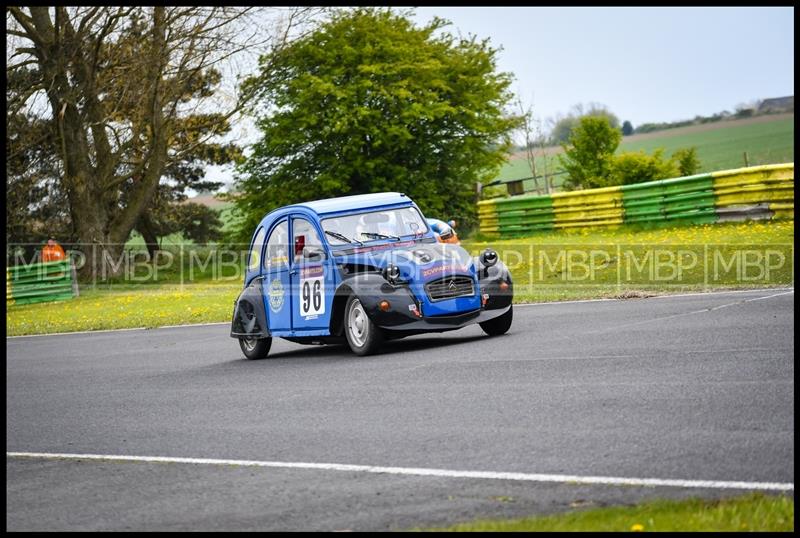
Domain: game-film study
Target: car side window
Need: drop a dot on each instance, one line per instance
(306, 241)
(255, 250)
(277, 256)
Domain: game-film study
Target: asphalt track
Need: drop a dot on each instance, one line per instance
(697, 387)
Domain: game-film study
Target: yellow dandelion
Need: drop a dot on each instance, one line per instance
(637, 527)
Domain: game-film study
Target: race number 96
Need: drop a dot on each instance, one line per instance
(312, 291)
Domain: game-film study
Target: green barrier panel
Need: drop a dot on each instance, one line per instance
(41, 282)
(670, 199)
(45, 299)
(522, 214)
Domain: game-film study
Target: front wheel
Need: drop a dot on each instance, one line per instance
(498, 325)
(363, 336)
(255, 348)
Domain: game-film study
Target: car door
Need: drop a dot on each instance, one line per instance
(312, 279)
(277, 281)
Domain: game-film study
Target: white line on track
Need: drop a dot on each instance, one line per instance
(119, 330)
(667, 296)
(692, 313)
(442, 473)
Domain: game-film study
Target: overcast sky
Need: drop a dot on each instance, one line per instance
(645, 64)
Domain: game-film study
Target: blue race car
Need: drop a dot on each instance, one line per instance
(362, 269)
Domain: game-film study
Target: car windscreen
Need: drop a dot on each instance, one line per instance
(374, 226)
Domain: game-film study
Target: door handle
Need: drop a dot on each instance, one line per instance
(293, 272)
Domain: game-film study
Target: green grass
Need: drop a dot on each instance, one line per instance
(125, 308)
(753, 512)
(721, 147)
(592, 271)
(593, 263)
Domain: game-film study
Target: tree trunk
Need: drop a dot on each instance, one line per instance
(145, 227)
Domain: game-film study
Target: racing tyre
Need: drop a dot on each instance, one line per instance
(498, 325)
(255, 348)
(363, 336)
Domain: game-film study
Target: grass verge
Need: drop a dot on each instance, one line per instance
(145, 306)
(627, 261)
(753, 512)
(557, 265)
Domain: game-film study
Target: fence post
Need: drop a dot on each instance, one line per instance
(74, 274)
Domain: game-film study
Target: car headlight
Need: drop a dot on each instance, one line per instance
(391, 273)
(488, 257)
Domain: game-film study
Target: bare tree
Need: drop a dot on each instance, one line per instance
(526, 126)
(541, 142)
(532, 131)
(128, 93)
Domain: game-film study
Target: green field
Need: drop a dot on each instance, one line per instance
(748, 513)
(549, 266)
(720, 146)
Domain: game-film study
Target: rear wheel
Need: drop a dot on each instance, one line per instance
(498, 325)
(363, 336)
(255, 348)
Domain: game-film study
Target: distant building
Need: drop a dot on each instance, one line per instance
(777, 104)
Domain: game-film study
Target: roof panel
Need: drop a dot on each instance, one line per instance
(359, 201)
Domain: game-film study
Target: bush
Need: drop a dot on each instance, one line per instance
(687, 162)
(638, 167)
(589, 158)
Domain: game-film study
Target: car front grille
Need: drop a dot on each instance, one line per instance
(450, 288)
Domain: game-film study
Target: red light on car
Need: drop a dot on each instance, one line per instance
(384, 306)
(503, 286)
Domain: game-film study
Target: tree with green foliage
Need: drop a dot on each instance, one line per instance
(562, 129)
(627, 128)
(589, 156)
(126, 112)
(563, 126)
(369, 102)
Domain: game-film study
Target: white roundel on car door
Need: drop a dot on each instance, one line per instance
(312, 291)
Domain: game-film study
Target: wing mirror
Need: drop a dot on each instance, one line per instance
(313, 254)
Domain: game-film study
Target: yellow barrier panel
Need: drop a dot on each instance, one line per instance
(772, 184)
(768, 168)
(9, 295)
(593, 207)
(782, 211)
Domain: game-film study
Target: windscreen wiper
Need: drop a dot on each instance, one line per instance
(380, 236)
(341, 237)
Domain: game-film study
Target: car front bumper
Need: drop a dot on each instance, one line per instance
(407, 313)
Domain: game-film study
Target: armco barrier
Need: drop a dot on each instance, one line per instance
(40, 282)
(687, 199)
(758, 192)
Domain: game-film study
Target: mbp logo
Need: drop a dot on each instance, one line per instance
(659, 264)
(746, 265)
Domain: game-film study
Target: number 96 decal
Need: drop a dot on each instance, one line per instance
(312, 291)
